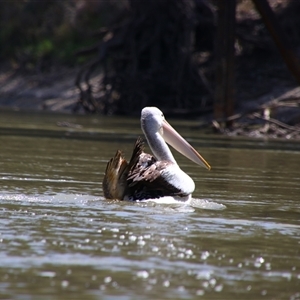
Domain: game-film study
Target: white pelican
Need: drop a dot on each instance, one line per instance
(147, 176)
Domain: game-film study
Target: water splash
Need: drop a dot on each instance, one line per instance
(191, 202)
(206, 204)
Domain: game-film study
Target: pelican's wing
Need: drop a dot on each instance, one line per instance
(114, 183)
(145, 179)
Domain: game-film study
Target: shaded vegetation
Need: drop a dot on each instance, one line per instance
(162, 54)
(136, 53)
(148, 57)
(40, 35)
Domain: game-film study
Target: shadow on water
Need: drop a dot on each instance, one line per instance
(239, 237)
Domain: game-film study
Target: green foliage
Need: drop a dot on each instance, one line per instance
(40, 34)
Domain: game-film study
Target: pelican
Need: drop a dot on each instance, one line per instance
(154, 176)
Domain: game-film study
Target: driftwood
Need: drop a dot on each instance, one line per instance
(260, 122)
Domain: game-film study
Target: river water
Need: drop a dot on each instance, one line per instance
(59, 239)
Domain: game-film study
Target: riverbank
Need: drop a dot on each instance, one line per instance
(273, 112)
(55, 91)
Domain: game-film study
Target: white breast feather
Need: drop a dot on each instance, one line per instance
(176, 177)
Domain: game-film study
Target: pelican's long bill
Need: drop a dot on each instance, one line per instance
(173, 138)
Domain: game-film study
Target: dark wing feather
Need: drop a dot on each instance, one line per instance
(145, 180)
(114, 183)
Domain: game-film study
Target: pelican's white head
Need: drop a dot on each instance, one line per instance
(152, 119)
(158, 131)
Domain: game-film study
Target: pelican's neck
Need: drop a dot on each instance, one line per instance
(158, 146)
